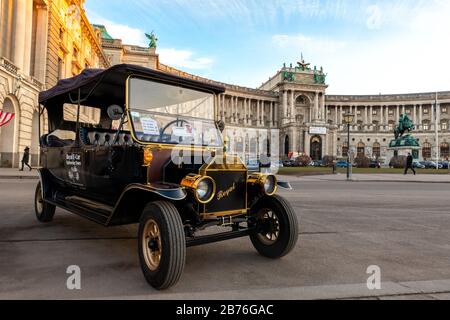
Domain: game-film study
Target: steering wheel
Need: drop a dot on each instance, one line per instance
(178, 122)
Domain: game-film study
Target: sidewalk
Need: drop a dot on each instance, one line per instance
(8, 173)
(420, 178)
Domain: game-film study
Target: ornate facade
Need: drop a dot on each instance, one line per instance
(293, 108)
(42, 41)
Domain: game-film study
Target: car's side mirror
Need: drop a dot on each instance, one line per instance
(221, 125)
(115, 112)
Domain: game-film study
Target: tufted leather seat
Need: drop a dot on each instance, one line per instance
(102, 137)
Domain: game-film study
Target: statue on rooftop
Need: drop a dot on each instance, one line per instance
(153, 39)
(303, 65)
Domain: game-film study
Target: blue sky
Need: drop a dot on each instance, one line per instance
(366, 46)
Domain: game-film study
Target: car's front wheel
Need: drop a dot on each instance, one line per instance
(162, 245)
(44, 211)
(277, 227)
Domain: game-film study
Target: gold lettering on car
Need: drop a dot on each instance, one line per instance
(226, 193)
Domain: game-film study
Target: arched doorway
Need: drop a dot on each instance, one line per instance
(8, 137)
(316, 148)
(286, 146)
(361, 150)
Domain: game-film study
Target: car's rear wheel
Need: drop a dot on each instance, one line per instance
(44, 211)
(162, 245)
(277, 227)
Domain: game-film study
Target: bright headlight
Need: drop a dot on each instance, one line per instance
(204, 188)
(270, 185)
(266, 184)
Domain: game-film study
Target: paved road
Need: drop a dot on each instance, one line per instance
(345, 227)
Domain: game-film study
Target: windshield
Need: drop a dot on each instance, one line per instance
(162, 113)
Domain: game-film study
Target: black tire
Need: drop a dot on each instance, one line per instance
(44, 211)
(170, 245)
(286, 223)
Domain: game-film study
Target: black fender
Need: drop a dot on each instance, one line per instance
(45, 178)
(135, 197)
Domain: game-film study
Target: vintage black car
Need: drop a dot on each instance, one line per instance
(154, 156)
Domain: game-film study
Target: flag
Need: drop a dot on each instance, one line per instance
(5, 118)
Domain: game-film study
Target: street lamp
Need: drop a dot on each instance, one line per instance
(348, 120)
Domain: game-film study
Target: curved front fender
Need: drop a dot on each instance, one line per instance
(136, 196)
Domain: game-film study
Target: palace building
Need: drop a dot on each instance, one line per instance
(294, 104)
(42, 41)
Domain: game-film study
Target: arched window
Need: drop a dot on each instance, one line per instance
(345, 149)
(361, 151)
(426, 150)
(376, 150)
(445, 150)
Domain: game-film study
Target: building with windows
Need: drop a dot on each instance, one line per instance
(294, 104)
(42, 41)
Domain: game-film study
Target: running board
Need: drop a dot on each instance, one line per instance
(98, 216)
(198, 241)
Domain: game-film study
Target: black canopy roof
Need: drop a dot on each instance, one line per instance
(103, 87)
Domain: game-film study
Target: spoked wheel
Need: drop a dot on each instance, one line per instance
(277, 227)
(44, 211)
(162, 245)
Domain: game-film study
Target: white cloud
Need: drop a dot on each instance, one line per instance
(308, 45)
(129, 35)
(134, 36)
(374, 18)
(183, 59)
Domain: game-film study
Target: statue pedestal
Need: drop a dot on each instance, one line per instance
(405, 142)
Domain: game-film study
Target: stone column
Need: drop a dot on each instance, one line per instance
(336, 112)
(415, 114)
(258, 113)
(340, 116)
(324, 109)
(433, 120)
(365, 116)
(285, 104)
(292, 110)
(316, 107)
(356, 113)
(271, 120)
(276, 110)
(41, 43)
(420, 116)
(403, 109)
(28, 37)
(398, 114)
(20, 32)
(307, 143)
(262, 113)
(371, 116)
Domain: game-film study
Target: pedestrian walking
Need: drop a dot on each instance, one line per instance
(409, 164)
(26, 159)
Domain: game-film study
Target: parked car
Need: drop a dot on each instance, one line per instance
(418, 165)
(375, 164)
(444, 164)
(432, 165)
(144, 172)
(288, 163)
(342, 164)
(317, 163)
